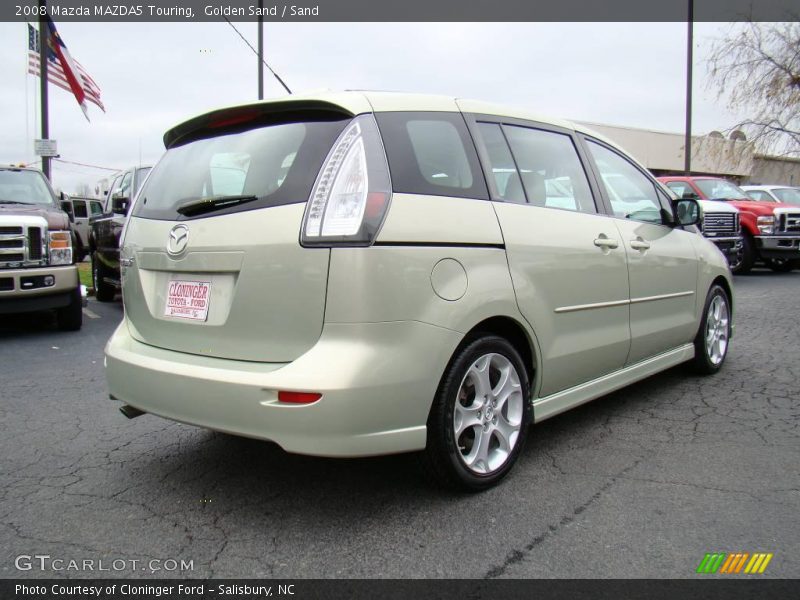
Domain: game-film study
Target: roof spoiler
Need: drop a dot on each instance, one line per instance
(234, 116)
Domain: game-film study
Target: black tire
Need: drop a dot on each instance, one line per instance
(781, 265)
(443, 459)
(70, 317)
(707, 361)
(103, 291)
(747, 257)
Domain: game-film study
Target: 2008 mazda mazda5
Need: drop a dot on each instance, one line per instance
(352, 274)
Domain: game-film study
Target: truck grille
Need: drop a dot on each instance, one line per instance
(720, 224)
(22, 245)
(789, 223)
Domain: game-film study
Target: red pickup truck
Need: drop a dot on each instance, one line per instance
(770, 230)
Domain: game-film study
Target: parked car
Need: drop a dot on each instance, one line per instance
(771, 230)
(369, 273)
(106, 228)
(721, 223)
(773, 193)
(80, 210)
(37, 267)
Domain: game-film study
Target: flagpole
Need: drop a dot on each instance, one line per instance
(43, 46)
(260, 50)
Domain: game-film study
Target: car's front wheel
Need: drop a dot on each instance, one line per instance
(480, 416)
(711, 342)
(745, 258)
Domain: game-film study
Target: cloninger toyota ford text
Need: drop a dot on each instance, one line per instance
(353, 274)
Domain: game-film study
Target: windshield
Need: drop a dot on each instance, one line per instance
(717, 189)
(24, 187)
(789, 195)
(277, 164)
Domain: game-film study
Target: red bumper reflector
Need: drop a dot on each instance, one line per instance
(298, 397)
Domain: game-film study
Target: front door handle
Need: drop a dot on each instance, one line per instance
(640, 244)
(603, 241)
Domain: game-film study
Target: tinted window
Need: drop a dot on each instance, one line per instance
(278, 163)
(96, 208)
(504, 171)
(550, 169)
(431, 153)
(631, 193)
(79, 209)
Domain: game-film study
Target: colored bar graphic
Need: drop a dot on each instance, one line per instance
(732, 563)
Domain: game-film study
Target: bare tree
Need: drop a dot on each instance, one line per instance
(757, 68)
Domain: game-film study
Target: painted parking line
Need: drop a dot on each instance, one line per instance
(91, 314)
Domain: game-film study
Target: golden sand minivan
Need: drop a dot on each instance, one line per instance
(358, 273)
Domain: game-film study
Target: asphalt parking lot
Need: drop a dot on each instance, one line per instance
(641, 483)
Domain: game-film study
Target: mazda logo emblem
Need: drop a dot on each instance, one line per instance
(178, 239)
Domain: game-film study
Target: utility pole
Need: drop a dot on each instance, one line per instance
(260, 50)
(687, 165)
(43, 47)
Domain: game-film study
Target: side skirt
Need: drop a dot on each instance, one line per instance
(554, 404)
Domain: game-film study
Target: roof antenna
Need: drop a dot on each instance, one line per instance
(274, 74)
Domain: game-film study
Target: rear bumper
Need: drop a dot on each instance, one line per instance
(779, 246)
(25, 290)
(377, 382)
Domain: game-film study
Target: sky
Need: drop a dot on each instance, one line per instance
(154, 75)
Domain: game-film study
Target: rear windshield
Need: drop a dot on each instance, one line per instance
(277, 163)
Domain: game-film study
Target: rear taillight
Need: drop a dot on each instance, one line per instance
(350, 198)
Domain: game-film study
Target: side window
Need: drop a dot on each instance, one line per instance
(96, 208)
(112, 189)
(125, 186)
(79, 209)
(758, 195)
(504, 171)
(632, 195)
(550, 169)
(682, 189)
(431, 153)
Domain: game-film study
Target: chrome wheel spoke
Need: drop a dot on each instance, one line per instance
(717, 322)
(465, 417)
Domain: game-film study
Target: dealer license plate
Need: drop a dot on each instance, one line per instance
(188, 299)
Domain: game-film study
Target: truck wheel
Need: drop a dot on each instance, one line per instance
(748, 257)
(780, 265)
(70, 317)
(102, 291)
(480, 416)
(711, 342)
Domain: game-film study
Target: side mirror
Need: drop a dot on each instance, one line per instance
(66, 206)
(119, 205)
(687, 212)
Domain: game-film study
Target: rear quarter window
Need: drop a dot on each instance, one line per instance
(431, 153)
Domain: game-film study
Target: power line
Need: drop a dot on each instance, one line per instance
(244, 39)
(80, 164)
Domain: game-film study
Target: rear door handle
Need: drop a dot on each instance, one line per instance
(605, 242)
(640, 244)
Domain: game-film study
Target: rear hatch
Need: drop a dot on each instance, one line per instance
(214, 264)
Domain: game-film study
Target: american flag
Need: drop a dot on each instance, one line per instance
(63, 70)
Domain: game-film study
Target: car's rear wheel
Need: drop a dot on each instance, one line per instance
(70, 317)
(711, 342)
(480, 416)
(102, 290)
(746, 258)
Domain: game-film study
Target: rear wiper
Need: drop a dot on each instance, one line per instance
(212, 203)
